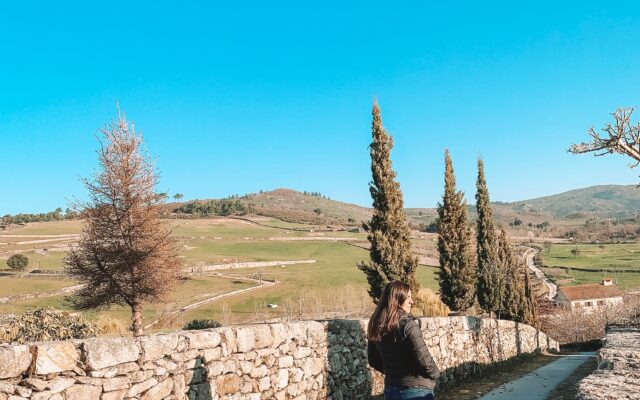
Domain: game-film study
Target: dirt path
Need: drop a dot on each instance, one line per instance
(539, 384)
(552, 288)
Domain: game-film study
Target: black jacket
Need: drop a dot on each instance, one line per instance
(403, 357)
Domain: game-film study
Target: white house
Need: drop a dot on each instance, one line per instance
(590, 296)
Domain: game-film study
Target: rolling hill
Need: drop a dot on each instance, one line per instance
(600, 201)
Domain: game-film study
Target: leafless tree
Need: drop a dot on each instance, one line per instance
(126, 255)
(623, 138)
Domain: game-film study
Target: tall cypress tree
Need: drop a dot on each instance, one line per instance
(457, 275)
(388, 231)
(511, 282)
(530, 311)
(488, 284)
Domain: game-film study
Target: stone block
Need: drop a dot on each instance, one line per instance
(202, 339)
(263, 336)
(279, 334)
(158, 346)
(120, 382)
(246, 339)
(107, 352)
(82, 392)
(59, 384)
(14, 360)
(159, 391)
(55, 357)
(141, 387)
(228, 384)
(115, 395)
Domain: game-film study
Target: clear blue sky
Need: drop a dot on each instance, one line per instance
(242, 96)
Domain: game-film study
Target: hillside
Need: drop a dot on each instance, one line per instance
(602, 200)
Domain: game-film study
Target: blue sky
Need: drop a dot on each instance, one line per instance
(236, 97)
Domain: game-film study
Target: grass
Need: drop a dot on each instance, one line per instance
(11, 285)
(189, 291)
(333, 279)
(616, 257)
(594, 256)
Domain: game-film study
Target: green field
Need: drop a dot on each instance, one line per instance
(12, 285)
(613, 257)
(332, 281)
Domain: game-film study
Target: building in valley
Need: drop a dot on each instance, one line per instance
(590, 296)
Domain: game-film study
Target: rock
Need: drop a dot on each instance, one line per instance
(37, 384)
(115, 395)
(45, 395)
(281, 380)
(179, 385)
(141, 387)
(259, 372)
(228, 384)
(285, 362)
(14, 360)
(263, 336)
(264, 384)
(120, 382)
(106, 352)
(6, 387)
(59, 384)
(160, 391)
(157, 346)
(212, 354)
(202, 339)
(246, 339)
(82, 392)
(55, 357)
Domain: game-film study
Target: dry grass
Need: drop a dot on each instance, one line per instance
(428, 304)
(109, 325)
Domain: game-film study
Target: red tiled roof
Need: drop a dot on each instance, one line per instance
(592, 291)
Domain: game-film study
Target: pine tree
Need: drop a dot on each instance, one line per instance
(125, 255)
(388, 232)
(457, 275)
(488, 284)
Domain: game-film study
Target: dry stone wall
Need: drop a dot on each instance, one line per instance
(297, 360)
(618, 374)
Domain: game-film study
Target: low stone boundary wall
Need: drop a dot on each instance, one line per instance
(297, 360)
(247, 264)
(618, 374)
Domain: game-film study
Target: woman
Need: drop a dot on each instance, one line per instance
(396, 347)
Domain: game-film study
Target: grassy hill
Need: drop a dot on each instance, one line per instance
(602, 200)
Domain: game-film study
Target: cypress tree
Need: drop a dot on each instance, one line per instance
(488, 284)
(511, 282)
(530, 311)
(388, 231)
(457, 275)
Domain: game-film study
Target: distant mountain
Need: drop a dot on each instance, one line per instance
(601, 200)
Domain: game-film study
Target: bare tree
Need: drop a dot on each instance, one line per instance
(126, 255)
(623, 138)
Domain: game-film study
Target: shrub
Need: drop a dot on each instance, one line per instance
(45, 324)
(18, 262)
(201, 324)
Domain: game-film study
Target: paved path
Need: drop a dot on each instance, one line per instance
(539, 383)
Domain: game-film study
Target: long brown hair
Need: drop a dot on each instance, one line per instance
(385, 318)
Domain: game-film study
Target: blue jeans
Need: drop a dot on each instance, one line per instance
(407, 393)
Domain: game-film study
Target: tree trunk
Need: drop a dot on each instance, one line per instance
(136, 319)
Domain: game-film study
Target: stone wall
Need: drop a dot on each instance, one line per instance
(618, 374)
(297, 360)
